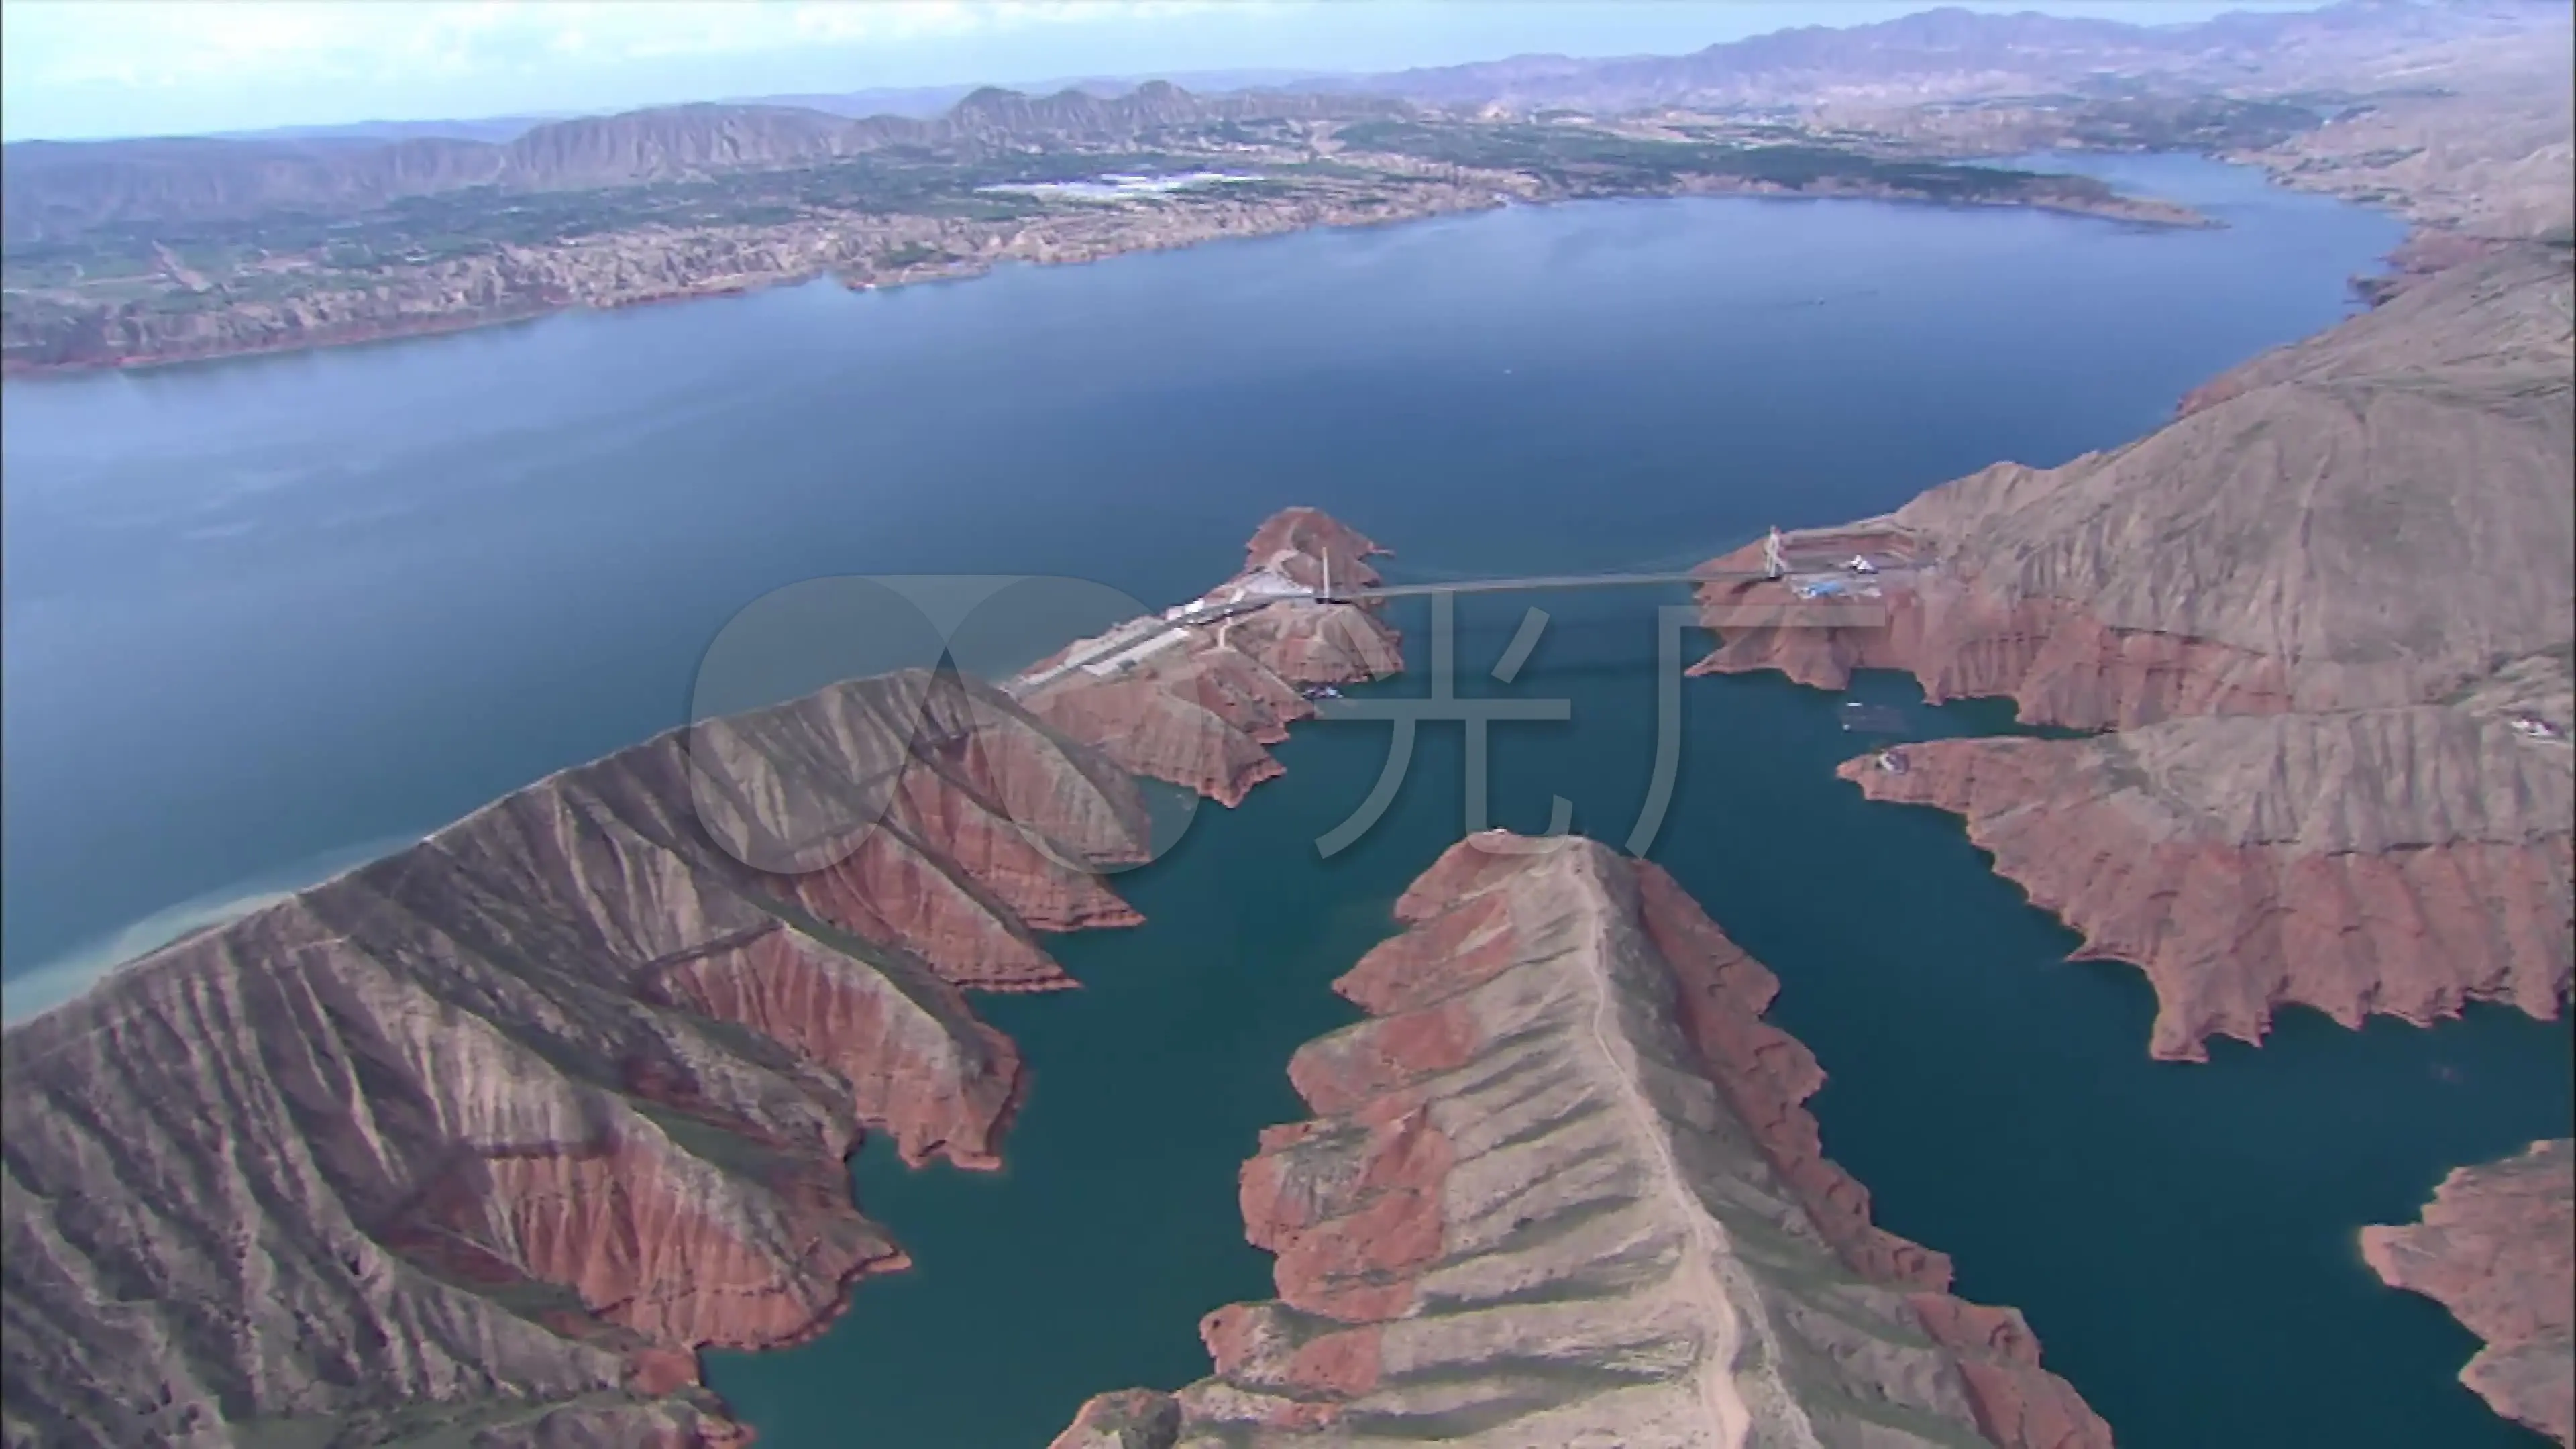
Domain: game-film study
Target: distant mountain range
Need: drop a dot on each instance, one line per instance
(925, 102)
(53, 190)
(920, 103)
(1952, 52)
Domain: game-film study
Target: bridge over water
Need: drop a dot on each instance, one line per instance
(1141, 637)
(1534, 582)
(1137, 641)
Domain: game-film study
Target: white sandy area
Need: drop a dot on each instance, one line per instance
(44, 987)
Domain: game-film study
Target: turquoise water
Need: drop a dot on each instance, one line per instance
(262, 612)
(2181, 1236)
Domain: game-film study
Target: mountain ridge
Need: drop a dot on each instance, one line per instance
(2320, 624)
(1559, 1186)
(488, 1138)
(1950, 52)
(54, 189)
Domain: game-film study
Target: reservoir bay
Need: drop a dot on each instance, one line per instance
(265, 614)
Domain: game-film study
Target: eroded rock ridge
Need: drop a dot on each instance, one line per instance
(485, 1140)
(1560, 1188)
(2497, 1247)
(2325, 618)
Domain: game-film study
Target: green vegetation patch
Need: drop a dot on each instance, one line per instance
(1584, 160)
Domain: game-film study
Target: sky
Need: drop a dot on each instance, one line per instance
(77, 69)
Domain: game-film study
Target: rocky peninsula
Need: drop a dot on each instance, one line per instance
(2323, 620)
(2497, 1247)
(133, 252)
(2320, 633)
(1559, 1188)
(488, 1138)
(1196, 707)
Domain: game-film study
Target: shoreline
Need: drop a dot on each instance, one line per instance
(1520, 1041)
(2454, 908)
(638, 1017)
(72, 973)
(30, 371)
(2147, 212)
(896, 1260)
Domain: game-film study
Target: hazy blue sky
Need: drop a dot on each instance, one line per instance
(79, 68)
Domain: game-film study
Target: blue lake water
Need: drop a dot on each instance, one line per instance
(264, 615)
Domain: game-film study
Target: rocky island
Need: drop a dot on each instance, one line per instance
(489, 1137)
(1559, 1188)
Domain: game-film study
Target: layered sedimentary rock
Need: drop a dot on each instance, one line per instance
(485, 1140)
(2405, 861)
(521, 1116)
(671, 261)
(2375, 516)
(2473, 137)
(1559, 1189)
(2327, 613)
(2497, 1247)
(1195, 704)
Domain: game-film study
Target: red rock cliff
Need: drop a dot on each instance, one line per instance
(2497, 1247)
(2329, 614)
(1196, 704)
(1560, 1188)
(2402, 861)
(507, 1126)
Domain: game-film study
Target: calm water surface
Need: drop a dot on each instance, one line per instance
(263, 616)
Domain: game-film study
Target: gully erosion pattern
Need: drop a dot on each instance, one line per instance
(2327, 770)
(488, 1138)
(2497, 1247)
(1560, 1189)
